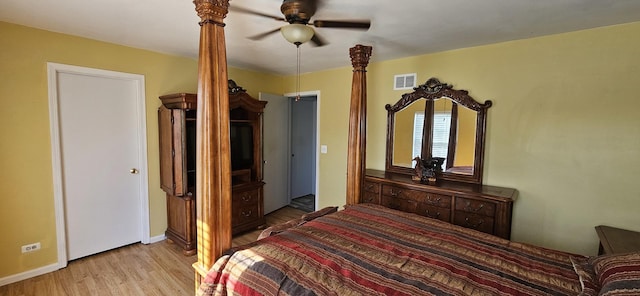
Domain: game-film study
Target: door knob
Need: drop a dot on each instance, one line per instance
(133, 171)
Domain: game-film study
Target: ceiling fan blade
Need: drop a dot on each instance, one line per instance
(262, 35)
(249, 11)
(364, 25)
(317, 40)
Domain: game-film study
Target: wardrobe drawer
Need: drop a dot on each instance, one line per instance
(243, 214)
(485, 208)
(249, 197)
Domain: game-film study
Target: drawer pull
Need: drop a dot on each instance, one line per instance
(369, 187)
(469, 208)
(435, 216)
(247, 214)
(434, 201)
(246, 198)
(368, 199)
(472, 225)
(394, 193)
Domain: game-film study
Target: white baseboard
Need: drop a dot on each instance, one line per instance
(155, 239)
(53, 267)
(28, 274)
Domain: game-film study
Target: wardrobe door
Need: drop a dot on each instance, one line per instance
(172, 159)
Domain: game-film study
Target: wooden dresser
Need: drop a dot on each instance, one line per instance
(481, 207)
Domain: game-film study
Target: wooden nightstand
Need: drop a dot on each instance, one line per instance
(615, 240)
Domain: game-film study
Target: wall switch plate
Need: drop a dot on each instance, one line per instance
(31, 247)
(323, 149)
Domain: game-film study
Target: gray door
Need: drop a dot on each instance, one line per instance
(275, 149)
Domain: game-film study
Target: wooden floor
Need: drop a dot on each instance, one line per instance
(154, 269)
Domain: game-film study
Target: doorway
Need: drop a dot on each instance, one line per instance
(98, 143)
(280, 170)
(303, 152)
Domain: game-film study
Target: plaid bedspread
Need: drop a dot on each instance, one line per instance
(372, 250)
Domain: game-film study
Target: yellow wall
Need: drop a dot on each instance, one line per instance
(26, 206)
(403, 134)
(466, 141)
(256, 82)
(564, 128)
(333, 115)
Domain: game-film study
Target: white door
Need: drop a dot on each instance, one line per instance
(102, 156)
(303, 143)
(275, 139)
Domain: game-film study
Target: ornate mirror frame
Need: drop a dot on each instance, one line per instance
(430, 91)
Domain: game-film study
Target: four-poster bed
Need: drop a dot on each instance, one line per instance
(365, 249)
(212, 145)
(213, 161)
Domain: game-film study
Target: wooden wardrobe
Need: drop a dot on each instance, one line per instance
(177, 136)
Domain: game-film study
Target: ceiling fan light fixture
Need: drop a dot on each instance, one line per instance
(297, 33)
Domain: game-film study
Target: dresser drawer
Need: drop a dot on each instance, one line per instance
(433, 212)
(242, 198)
(372, 187)
(370, 197)
(474, 221)
(402, 192)
(436, 200)
(393, 191)
(398, 203)
(479, 207)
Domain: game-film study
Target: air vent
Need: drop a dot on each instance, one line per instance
(404, 81)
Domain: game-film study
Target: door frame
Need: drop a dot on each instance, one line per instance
(290, 96)
(56, 157)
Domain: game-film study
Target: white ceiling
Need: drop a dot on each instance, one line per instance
(399, 28)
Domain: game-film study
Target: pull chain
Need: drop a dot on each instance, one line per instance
(298, 73)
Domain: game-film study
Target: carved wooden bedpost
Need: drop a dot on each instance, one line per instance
(213, 165)
(360, 55)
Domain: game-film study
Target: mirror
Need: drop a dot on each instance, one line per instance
(437, 121)
(451, 124)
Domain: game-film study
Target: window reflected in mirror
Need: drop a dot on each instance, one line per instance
(440, 132)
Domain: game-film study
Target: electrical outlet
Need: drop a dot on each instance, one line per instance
(31, 247)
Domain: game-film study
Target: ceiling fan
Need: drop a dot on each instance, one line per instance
(298, 14)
